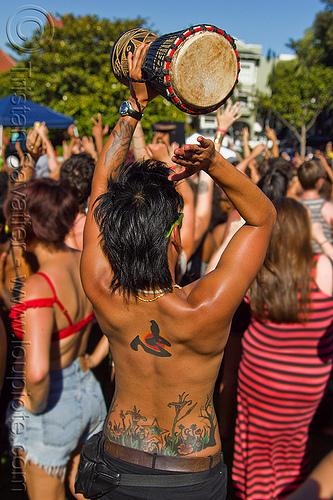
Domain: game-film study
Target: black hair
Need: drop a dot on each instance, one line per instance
(76, 174)
(280, 163)
(274, 184)
(134, 216)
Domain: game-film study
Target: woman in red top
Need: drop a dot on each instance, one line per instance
(61, 404)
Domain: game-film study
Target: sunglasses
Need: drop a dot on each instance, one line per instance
(178, 222)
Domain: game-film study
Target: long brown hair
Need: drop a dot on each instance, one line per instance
(281, 290)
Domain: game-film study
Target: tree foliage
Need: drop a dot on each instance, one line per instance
(316, 47)
(71, 72)
(299, 94)
(302, 88)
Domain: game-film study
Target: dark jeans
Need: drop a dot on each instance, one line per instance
(102, 476)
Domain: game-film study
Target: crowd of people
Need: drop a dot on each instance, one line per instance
(207, 283)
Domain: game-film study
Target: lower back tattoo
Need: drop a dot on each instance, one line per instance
(134, 430)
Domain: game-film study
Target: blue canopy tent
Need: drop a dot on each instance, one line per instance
(17, 111)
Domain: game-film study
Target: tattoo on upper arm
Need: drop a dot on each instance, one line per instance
(117, 152)
(152, 342)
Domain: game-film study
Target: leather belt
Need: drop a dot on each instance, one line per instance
(160, 462)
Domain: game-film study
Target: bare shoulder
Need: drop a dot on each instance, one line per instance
(324, 274)
(199, 308)
(59, 272)
(37, 287)
(324, 263)
(220, 291)
(327, 209)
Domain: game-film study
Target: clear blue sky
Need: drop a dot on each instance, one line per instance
(268, 23)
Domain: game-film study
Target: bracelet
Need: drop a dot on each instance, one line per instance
(323, 242)
(221, 130)
(218, 137)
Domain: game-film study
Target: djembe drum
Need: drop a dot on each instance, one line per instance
(196, 69)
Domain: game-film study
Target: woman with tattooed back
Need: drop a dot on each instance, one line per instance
(161, 437)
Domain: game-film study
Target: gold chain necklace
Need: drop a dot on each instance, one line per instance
(157, 296)
(151, 292)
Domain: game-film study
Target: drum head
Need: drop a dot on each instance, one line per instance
(204, 70)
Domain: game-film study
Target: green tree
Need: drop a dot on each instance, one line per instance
(71, 72)
(316, 47)
(302, 88)
(299, 95)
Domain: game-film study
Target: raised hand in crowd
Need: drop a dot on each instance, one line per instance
(71, 132)
(297, 160)
(66, 151)
(249, 161)
(39, 144)
(260, 149)
(246, 137)
(230, 115)
(42, 132)
(99, 132)
(35, 144)
(225, 119)
(142, 150)
(271, 135)
(245, 134)
(89, 146)
(74, 143)
(164, 138)
(20, 152)
(27, 165)
(159, 151)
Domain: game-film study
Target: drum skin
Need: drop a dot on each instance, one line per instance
(196, 69)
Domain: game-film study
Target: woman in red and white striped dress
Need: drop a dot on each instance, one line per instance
(286, 361)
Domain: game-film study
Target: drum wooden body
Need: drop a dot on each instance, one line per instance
(196, 69)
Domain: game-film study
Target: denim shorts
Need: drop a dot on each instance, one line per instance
(75, 411)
